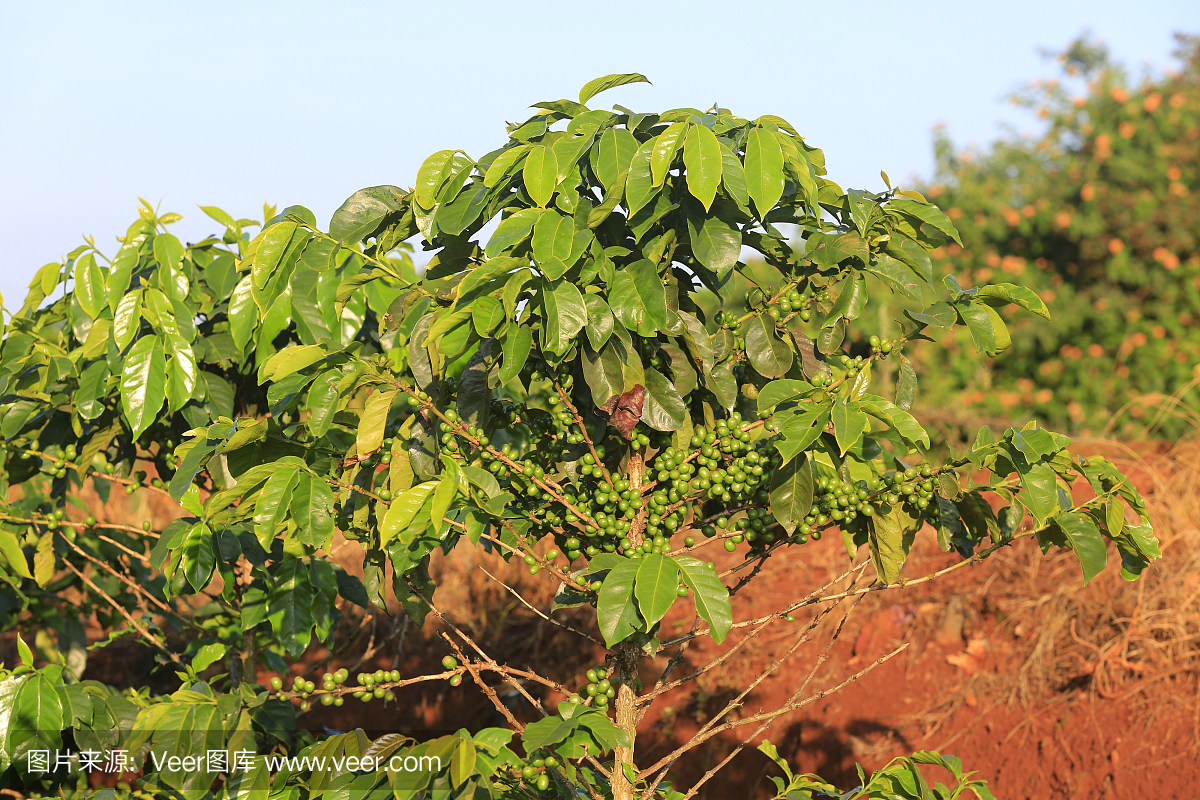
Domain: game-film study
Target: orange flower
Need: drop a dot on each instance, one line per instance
(1088, 192)
(1152, 102)
(1127, 129)
(1119, 94)
(1174, 173)
(1063, 219)
(1115, 246)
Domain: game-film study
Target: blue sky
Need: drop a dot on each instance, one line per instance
(234, 104)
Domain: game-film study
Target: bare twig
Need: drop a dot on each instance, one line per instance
(546, 617)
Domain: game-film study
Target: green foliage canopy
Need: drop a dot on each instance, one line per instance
(592, 380)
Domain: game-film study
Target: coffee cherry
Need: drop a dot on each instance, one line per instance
(277, 684)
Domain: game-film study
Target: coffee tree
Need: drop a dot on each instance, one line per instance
(599, 387)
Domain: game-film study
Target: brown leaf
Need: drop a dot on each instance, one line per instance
(625, 411)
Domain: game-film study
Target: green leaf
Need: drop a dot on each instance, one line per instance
(890, 538)
(457, 215)
(198, 557)
(565, 315)
(208, 655)
(511, 232)
(656, 586)
(1023, 296)
(515, 351)
(603, 373)
(849, 424)
(11, 550)
(802, 429)
(120, 272)
(270, 510)
(613, 153)
(940, 314)
(403, 510)
(665, 147)
(503, 164)
(291, 606)
(1041, 492)
(906, 385)
(1086, 540)
(600, 320)
(733, 176)
(595, 87)
(90, 289)
(770, 356)
(896, 275)
(93, 387)
(312, 508)
(663, 408)
(638, 298)
(462, 763)
(782, 391)
(143, 389)
(702, 160)
(792, 493)
(554, 237)
(181, 370)
(127, 320)
(443, 496)
(168, 251)
(243, 313)
(927, 213)
(616, 612)
(710, 594)
(547, 731)
(541, 175)
(764, 170)
(716, 239)
(36, 718)
(979, 322)
(219, 215)
(272, 244)
(430, 176)
(373, 422)
(640, 187)
(851, 301)
(322, 402)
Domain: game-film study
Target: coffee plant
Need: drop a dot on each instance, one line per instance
(599, 387)
(1098, 216)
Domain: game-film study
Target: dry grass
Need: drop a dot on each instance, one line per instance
(1121, 636)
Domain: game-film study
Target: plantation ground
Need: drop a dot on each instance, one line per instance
(1049, 689)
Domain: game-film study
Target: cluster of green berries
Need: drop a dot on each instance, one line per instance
(536, 769)
(880, 346)
(913, 485)
(599, 689)
(369, 686)
(752, 528)
(789, 301)
(449, 663)
(58, 468)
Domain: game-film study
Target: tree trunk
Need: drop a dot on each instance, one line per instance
(626, 663)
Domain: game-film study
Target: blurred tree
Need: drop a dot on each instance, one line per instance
(1099, 216)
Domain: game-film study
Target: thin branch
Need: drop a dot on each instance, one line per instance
(473, 669)
(767, 719)
(121, 609)
(546, 617)
(700, 736)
